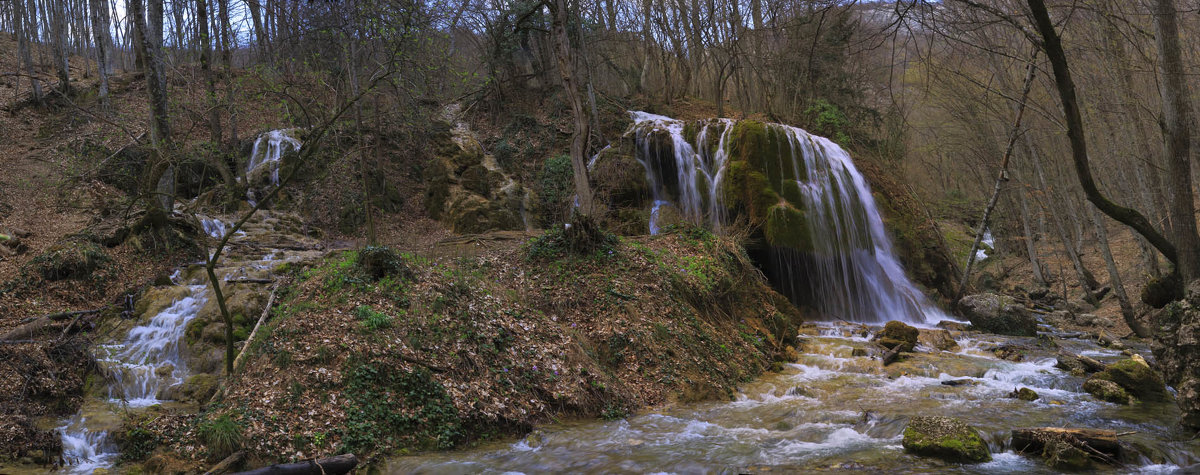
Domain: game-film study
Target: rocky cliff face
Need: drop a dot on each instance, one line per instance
(1177, 350)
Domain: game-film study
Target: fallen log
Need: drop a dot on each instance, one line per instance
(335, 465)
(35, 326)
(891, 356)
(1099, 444)
(227, 464)
(266, 311)
(250, 281)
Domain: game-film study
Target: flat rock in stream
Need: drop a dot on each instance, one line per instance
(945, 438)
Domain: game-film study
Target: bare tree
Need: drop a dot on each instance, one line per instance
(566, 66)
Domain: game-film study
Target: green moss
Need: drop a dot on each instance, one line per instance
(1136, 378)
(395, 409)
(221, 436)
(1108, 391)
(788, 226)
(945, 438)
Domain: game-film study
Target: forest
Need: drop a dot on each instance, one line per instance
(599, 236)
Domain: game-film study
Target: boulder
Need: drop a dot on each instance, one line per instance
(937, 339)
(1136, 378)
(898, 334)
(1024, 394)
(998, 314)
(1078, 365)
(946, 438)
(1106, 391)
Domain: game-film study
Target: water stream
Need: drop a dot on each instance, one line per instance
(831, 411)
(144, 365)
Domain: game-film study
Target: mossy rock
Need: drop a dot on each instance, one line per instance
(199, 388)
(469, 153)
(896, 333)
(1024, 394)
(475, 180)
(1107, 391)
(1160, 291)
(474, 214)
(1137, 379)
(945, 438)
(788, 226)
(619, 179)
(437, 190)
(76, 257)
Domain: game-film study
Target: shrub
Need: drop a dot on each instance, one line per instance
(381, 261)
(372, 319)
(221, 436)
(555, 187)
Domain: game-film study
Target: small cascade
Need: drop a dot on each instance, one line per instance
(988, 242)
(149, 360)
(850, 272)
(268, 149)
(141, 367)
(213, 227)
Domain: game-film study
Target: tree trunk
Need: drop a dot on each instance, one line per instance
(1001, 177)
(1177, 122)
(59, 44)
(1030, 238)
(100, 26)
(1052, 44)
(158, 179)
(260, 34)
(202, 30)
(1114, 277)
(19, 25)
(1086, 281)
(566, 67)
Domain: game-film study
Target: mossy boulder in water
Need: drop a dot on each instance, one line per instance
(997, 314)
(946, 438)
(895, 334)
(1135, 378)
(1107, 391)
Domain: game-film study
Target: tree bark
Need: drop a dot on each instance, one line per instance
(1114, 276)
(157, 181)
(103, 39)
(59, 44)
(1103, 443)
(1052, 44)
(566, 66)
(1176, 124)
(19, 25)
(260, 34)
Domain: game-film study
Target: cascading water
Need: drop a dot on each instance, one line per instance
(268, 149)
(851, 272)
(141, 367)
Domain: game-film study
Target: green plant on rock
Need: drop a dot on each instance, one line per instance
(554, 187)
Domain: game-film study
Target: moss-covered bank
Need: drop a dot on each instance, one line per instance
(437, 354)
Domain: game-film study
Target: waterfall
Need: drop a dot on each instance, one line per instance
(269, 147)
(850, 272)
(147, 362)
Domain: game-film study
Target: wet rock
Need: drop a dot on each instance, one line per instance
(938, 339)
(1014, 353)
(199, 388)
(946, 438)
(858, 352)
(1024, 394)
(998, 314)
(1136, 378)
(960, 382)
(799, 391)
(1059, 318)
(1106, 391)
(1177, 350)
(898, 334)
(1078, 365)
(953, 326)
(1109, 341)
(1039, 292)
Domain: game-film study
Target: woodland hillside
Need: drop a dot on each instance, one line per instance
(559, 236)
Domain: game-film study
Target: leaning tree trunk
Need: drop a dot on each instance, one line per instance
(59, 46)
(1001, 177)
(1065, 85)
(566, 69)
(1114, 276)
(157, 182)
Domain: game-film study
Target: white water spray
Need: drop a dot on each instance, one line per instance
(851, 272)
